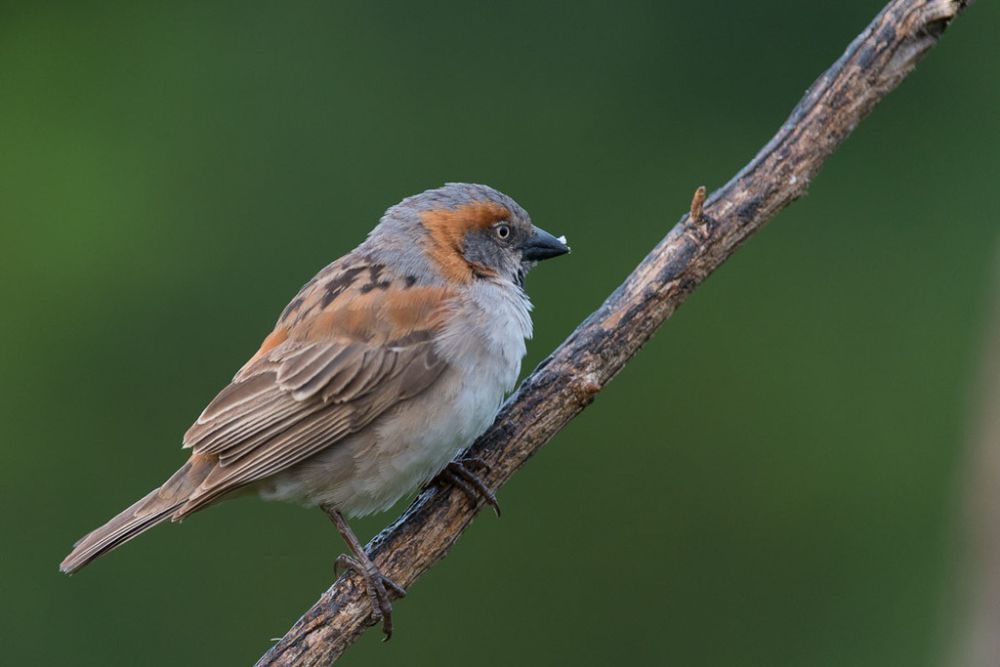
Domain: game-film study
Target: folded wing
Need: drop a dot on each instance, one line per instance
(354, 343)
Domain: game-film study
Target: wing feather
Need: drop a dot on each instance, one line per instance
(341, 355)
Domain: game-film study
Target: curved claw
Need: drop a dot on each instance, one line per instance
(377, 585)
(458, 474)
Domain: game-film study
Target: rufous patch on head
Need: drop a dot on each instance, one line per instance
(446, 230)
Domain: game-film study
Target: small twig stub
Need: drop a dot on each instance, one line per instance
(697, 202)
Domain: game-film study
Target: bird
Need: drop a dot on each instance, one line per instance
(389, 362)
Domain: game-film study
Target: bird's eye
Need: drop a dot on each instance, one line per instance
(503, 231)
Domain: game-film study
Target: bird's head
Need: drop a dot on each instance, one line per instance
(463, 232)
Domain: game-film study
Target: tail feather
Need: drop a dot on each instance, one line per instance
(155, 508)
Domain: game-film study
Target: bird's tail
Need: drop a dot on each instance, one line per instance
(155, 508)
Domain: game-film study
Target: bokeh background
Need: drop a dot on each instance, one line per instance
(777, 479)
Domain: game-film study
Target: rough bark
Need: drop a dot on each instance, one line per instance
(567, 381)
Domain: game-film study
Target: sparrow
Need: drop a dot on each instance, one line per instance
(384, 366)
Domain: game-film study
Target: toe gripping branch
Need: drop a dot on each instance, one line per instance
(380, 588)
(458, 474)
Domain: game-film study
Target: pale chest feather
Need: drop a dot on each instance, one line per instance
(483, 343)
(486, 336)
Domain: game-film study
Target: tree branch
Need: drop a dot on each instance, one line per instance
(566, 382)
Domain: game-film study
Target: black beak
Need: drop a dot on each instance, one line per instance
(543, 245)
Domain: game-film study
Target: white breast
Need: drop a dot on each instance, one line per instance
(486, 337)
(483, 344)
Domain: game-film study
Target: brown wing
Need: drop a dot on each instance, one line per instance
(353, 343)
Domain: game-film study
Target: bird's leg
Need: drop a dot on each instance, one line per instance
(457, 473)
(377, 584)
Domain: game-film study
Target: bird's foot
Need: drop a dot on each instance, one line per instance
(379, 588)
(457, 473)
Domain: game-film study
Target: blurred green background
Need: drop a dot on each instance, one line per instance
(773, 481)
